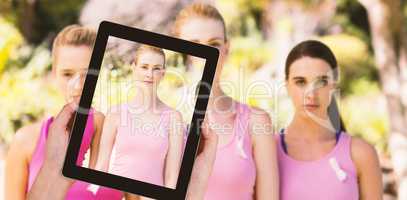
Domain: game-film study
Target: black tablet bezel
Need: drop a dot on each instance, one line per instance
(106, 29)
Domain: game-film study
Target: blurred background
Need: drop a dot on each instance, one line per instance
(369, 38)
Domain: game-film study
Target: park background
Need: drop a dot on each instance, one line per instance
(369, 38)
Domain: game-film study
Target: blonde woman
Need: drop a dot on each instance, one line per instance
(146, 135)
(71, 53)
(246, 163)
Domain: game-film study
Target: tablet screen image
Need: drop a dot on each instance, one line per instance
(148, 104)
(137, 125)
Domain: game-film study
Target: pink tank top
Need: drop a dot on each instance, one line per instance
(79, 189)
(234, 171)
(332, 177)
(140, 149)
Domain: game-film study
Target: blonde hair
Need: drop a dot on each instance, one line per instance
(74, 35)
(147, 48)
(197, 10)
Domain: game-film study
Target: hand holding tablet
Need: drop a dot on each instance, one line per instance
(144, 147)
(50, 183)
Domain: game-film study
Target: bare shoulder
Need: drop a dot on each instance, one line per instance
(259, 117)
(258, 114)
(26, 138)
(98, 115)
(175, 115)
(112, 116)
(260, 126)
(28, 135)
(117, 110)
(360, 148)
(363, 154)
(99, 118)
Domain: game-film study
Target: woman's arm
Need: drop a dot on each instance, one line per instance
(368, 169)
(265, 155)
(107, 140)
(17, 161)
(50, 184)
(94, 150)
(175, 148)
(203, 165)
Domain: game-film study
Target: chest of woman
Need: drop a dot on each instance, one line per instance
(149, 133)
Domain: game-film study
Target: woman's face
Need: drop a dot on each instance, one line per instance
(311, 85)
(71, 66)
(205, 31)
(149, 68)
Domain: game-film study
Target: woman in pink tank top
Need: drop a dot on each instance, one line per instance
(317, 158)
(246, 162)
(79, 189)
(72, 49)
(145, 135)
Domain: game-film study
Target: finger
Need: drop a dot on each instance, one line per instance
(208, 134)
(202, 138)
(209, 140)
(64, 116)
(210, 144)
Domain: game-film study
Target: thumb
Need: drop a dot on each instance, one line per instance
(209, 140)
(62, 119)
